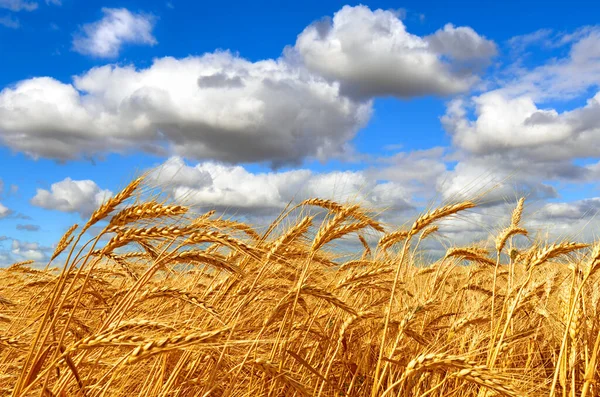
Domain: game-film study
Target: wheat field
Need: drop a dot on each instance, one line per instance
(163, 302)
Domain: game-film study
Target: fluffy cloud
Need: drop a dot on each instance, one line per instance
(514, 133)
(371, 54)
(505, 123)
(4, 211)
(528, 130)
(28, 251)
(82, 197)
(235, 190)
(489, 181)
(462, 44)
(217, 106)
(119, 26)
(18, 5)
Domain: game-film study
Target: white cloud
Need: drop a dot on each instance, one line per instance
(10, 21)
(517, 129)
(4, 211)
(462, 44)
(18, 5)
(488, 180)
(54, 2)
(235, 190)
(528, 130)
(372, 54)
(28, 251)
(503, 123)
(119, 26)
(82, 197)
(217, 106)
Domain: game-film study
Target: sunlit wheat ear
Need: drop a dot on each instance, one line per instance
(428, 231)
(328, 297)
(471, 254)
(323, 203)
(594, 261)
(178, 294)
(326, 230)
(392, 238)
(365, 245)
(223, 239)
(508, 233)
(221, 224)
(138, 324)
(64, 242)
(273, 371)
(467, 370)
(112, 203)
(292, 234)
(553, 251)
(106, 339)
(17, 265)
(362, 276)
(488, 378)
(11, 342)
(427, 219)
(120, 260)
(148, 210)
(157, 346)
(124, 235)
(352, 211)
(340, 232)
(517, 213)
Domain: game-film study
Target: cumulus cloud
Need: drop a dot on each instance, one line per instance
(491, 183)
(371, 54)
(29, 251)
(18, 5)
(235, 190)
(268, 112)
(119, 26)
(504, 123)
(81, 197)
(528, 130)
(462, 44)
(309, 103)
(517, 133)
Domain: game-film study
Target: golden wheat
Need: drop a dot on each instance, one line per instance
(177, 305)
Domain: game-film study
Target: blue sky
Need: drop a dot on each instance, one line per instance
(244, 106)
